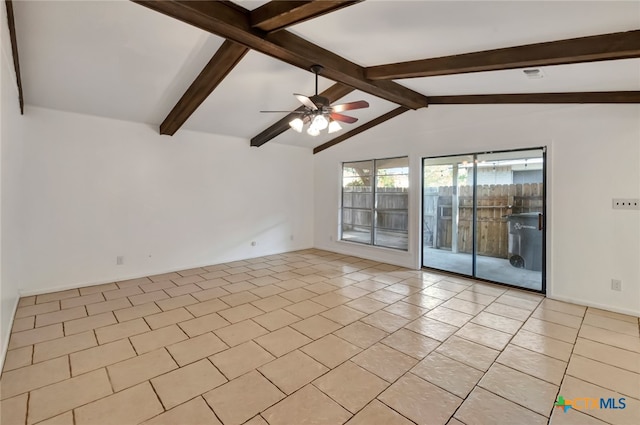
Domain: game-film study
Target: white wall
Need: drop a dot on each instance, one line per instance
(96, 188)
(10, 165)
(593, 156)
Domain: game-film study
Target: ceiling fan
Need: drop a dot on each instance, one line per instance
(319, 113)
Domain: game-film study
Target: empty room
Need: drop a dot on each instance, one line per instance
(320, 212)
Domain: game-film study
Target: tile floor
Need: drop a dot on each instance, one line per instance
(313, 337)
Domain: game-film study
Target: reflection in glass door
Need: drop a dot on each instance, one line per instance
(483, 216)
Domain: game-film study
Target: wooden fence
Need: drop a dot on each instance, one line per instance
(494, 203)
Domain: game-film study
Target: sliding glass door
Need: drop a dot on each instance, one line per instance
(483, 216)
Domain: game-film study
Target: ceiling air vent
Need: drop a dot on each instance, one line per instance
(533, 73)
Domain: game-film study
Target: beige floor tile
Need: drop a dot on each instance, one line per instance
(331, 299)
(448, 374)
(31, 377)
(305, 309)
(239, 298)
(148, 297)
(351, 386)
(18, 358)
(573, 417)
(160, 320)
(367, 305)
(544, 345)
(331, 350)
(133, 282)
(141, 368)
(483, 407)
(24, 301)
(34, 336)
(518, 302)
(203, 324)
(488, 289)
(420, 401)
(212, 283)
(611, 314)
(267, 291)
(32, 310)
(573, 388)
(23, 324)
(63, 419)
(57, 398)
(618, 357)
(61, 346)
(297, 295)
(316, 326)
(463, 306)
(121, 330)
(164, 276)
(562, 307)
(240, 313)
(451, 285)
(552, 330)
(353, 292)
(54, 296)
(343, 315)
(176, 302)
(105, 306)
(527, 295)
(403, 289)
(101, 356)
(210, 293)
(183, 384)
(361, 334)
(282, 341)
(370, 285)
(89, 323)
(485, 336)
(500, 323)
(604, 375)
(439, 293)
(452, 317)
(321, 288)
(406, 310)
(386, 321)
(557, 317)
(136, 312)
(237, 277)
(124, 292)
(14, 410)
(196, 348)
(432, 328)
(162, 337)
(384, 362)
(276, 319)
(193, 412)
(520, 388)
(241, 399)
(476, 297)
(309, 402)
(271, 303)
(615, 325)
(508, 311)
(240, 332)
(468, 352)
(82, 300)
(411, 343)
(534, 364)
(241, 359)
(87, 290)
(264, 280)
(157, 286)
(183, 290)
(611, 338)
(376, 413)
(291, 283)
(130, 406)
(280, 373)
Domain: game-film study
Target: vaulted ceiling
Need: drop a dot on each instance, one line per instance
(157, 61)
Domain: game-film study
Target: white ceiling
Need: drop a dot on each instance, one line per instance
(121, 60)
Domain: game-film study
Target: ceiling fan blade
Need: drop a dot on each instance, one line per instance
(286, 112)
(343, 118)
(306, 101)
(349, 106)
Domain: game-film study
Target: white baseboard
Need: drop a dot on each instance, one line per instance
(596, 305)
(5, 343)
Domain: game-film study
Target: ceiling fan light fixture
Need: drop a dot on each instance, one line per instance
(296, 124)
(313, 131)
(334, 126)
(320, 122)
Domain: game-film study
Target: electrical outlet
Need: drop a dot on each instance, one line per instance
(616, 285)
(119, 260)
(626, 204)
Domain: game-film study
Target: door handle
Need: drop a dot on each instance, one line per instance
(539, 221)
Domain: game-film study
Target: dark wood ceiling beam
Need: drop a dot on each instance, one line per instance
(224, 60)
(524, 98)
(231, 23)
(621, 45)
(360, 129)
(276, 15)
(14, 52)
(333, 93)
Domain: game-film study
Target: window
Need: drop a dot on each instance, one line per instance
(375, 202)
